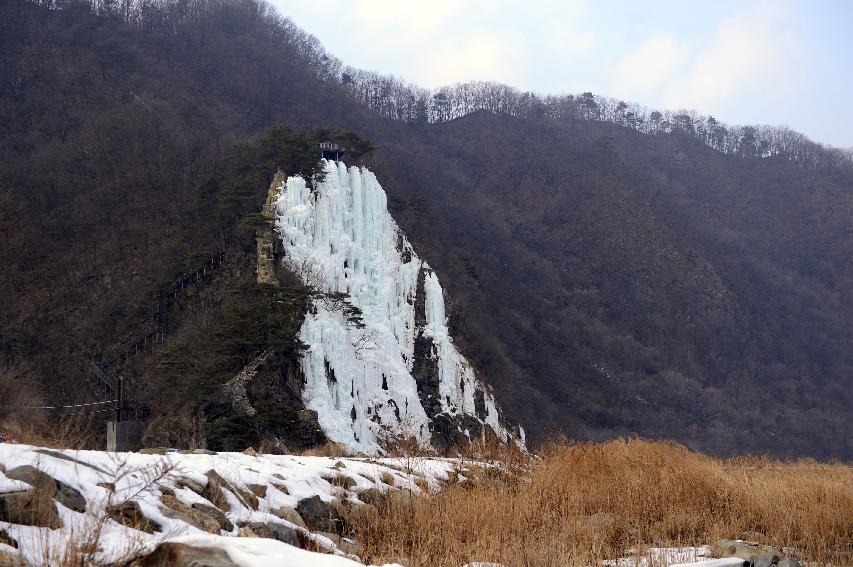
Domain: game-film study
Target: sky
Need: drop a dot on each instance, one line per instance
(782, 62)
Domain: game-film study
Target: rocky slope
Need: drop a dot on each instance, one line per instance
(112, 507)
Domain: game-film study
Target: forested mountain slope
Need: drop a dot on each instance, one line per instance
(604, 280)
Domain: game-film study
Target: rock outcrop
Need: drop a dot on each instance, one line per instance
(66, 495)
(181, 555)
(29, 508)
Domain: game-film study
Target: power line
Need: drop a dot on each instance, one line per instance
(63, 407)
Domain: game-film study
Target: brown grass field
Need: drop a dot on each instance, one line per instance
(577, 504)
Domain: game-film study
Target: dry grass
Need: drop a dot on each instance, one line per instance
(581, 503)
(328, 449)
(71, 432)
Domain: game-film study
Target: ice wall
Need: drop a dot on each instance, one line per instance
(341, 238)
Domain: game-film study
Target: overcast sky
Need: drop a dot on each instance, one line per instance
(745, 62)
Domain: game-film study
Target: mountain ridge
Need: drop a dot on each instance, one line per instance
(586, 263)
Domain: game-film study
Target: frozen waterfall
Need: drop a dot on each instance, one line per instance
(341, 238)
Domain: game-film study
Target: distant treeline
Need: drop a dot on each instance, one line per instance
(397, 99)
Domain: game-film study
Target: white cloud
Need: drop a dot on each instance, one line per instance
(563, 26)
(404, 21)
(748, 52)
(652, 63)
(479, 56)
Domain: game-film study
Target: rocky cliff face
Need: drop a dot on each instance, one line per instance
(381, 363)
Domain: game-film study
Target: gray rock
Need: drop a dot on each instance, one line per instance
(345, 544)
(319, 515)
(66, 495)
(742, 549)
(342, 480)
(129, 514)
(29, 508)
(12, 559)
(273, 530)
(194, 485)
(788, 562)
(289, 514)
(373, 496)
(216, 514)
(177, 510)
(259, 490)
(355, 514)
(171, 554)
(248, 499)
(765, 561)
(6, 539)
(246, 532)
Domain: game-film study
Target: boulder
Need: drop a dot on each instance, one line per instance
(272, 530)
(341, 480)
(6, 539)
(373, 496)
(12, 559)
(400, 497)
(194, 485)
(289, 514)
(259, 490)
(355, 514)
(248, 499)
(346, 545)
(745, 550)
(246, 532)
(129, 514)
(251, 452)
(177, 510)
(198, 452)
(172, 554)
(283, 488)
(216, 514)
(765, 561)
(319, 515)
(29, 508)
(66, 495)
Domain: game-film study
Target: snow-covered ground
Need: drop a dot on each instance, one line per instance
(340, 237)
(106, 479)
(257, 489)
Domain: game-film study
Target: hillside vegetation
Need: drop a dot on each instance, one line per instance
(606, 278)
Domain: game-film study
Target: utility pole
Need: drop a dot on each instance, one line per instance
(120, 400)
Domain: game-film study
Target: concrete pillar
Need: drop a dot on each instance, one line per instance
(124, 435)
